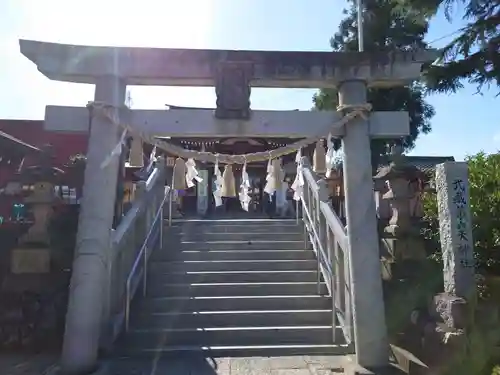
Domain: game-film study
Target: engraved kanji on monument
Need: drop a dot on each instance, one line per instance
(455, 228)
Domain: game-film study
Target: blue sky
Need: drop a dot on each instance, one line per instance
(465, 123)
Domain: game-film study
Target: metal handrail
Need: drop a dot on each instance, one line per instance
(320, 252)
(170, 201)
(327, 235)
(132, 213)
(143, 255)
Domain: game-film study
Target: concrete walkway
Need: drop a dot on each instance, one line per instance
(185, 365)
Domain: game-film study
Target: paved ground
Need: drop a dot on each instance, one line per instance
(17, 364)
(185, 365)
(193, 365)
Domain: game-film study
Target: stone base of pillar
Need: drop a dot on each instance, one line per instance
(352, 368)
(103, 369)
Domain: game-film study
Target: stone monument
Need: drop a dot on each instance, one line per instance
(451, 313)
(457, 246)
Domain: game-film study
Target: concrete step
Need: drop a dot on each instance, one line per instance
(193, 255)
(260, 228)
(231, 303)
(254, 244)
(233, 265)
(232, 277)
(237, 336)
(241, 236)
(234, 289)
(259, 318)
(233, 223)
(166, 352)
(263, 227)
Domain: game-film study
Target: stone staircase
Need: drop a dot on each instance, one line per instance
(233, 288)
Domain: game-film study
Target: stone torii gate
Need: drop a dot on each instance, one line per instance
(232, 73)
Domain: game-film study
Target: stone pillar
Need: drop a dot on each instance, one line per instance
(370, 332)
(452, 186)
(444, 336)
(90, 267)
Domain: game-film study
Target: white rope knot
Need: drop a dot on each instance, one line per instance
(352, 110)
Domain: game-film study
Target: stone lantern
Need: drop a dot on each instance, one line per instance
(400, 230)
(75, 170)
(41, 198)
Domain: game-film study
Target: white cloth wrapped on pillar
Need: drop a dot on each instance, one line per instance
(192, 173)
(179, 174)
(228, 183)
(151, 160)
(319, 158)
(330, 156)
(244, 189)
(298, 183)
(136, 157)
(116, 151)
(219, 181)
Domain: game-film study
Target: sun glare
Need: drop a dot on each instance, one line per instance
(148, 23)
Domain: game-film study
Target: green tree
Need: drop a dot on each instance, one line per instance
(385, 30)
(474, 55)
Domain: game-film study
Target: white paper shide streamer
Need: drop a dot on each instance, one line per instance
(270, 187)
(245, 189)
(152, 159)
(116, 150)
(330, 156)
(218, 185)
(298, 183)
(191, 173)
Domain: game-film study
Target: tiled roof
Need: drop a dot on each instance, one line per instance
(428, 164)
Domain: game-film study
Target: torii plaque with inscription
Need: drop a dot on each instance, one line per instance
(232, 87)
